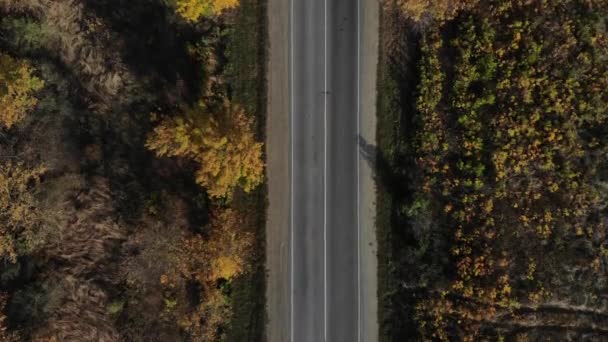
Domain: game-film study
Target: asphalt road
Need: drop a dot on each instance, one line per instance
(324, 81)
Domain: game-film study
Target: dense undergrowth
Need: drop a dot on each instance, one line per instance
(493, 146)
(105, 240)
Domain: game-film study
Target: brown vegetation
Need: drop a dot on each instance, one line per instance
(505, 164)
(103, 241)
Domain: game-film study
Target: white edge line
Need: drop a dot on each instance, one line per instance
(292, 131)
(358, 174)
(325, 172)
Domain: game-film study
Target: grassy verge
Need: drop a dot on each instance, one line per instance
(247, 50)
(397, 81)
(249, 302)
(246, 53)
(386, 115)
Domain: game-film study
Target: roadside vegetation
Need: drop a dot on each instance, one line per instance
(493, 148)
(132, 170)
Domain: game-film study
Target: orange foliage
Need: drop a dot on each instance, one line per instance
(220, 256)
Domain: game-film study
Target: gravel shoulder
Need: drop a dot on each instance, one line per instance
(369, 36)
(278, 174)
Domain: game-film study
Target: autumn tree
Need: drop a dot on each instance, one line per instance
(192, 10)
(228, 244)
(222, 143)
(217, 256)
(222, 253)
(17, 87)
(18, 215)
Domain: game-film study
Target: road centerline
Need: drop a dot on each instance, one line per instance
(357, 144)
(291, 167)
(325, 92)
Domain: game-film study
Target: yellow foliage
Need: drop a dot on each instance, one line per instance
(18, 217)
(436, 9)
(17, 86)
(203, 323)
(222, 255)
(489, 206)
(228, 245)
(223, 145)
(225, 267)
(193, 10)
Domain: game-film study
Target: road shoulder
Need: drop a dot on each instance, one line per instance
(278, 175)
(369, 36)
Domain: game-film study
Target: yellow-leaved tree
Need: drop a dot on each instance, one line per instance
(222, 143)
(18, 216)
(228, 244)
(193, 10)
(17, 87)
(222, 254)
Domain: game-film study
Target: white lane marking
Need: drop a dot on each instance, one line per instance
(358, 164)
(291, 52)
(325, 173)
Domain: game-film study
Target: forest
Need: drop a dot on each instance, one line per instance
(132, 170)
(493, 170)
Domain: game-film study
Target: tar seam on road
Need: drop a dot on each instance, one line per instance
(358, 165)
(291, 190)
(325, 171)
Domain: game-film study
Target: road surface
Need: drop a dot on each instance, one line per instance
(324, 133)
(322, 284)
(308, 169)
